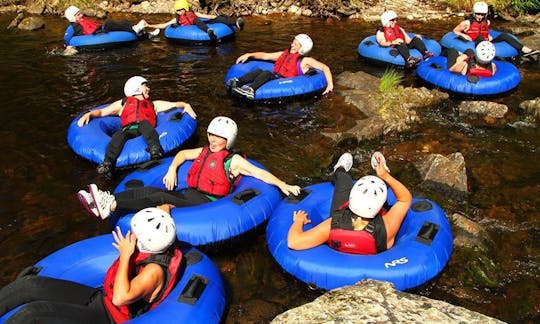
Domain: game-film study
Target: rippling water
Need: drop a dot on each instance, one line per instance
(43, 91)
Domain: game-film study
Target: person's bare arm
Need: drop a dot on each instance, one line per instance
(297, 239)
(309, 62)
(170, 179)
(461, 28)
(113, 109)
(239, 165)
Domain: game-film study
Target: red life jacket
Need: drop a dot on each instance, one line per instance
(288, 64)
(391, 34)
(136, 111)
(187, 19)
(480, 72)
(208, 175)
(88, 25)
(478, 29)
(169, 261)
(343, 238)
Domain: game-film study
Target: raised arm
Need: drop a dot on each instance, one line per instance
(258, 56)
(161, 105)
(113, 109)
(310, 62)
(144, 284)
(239, 165)
(396, 214)
(170, 179)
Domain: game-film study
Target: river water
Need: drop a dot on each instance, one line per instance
(43, 91)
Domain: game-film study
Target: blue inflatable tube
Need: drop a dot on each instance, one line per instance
(247, 207)
(102, 40)
(87, 261)
(434, 71)
(193, 35)
(90, 141)
(282, 88)
(370, 49)
(502, 49)
(422, 247)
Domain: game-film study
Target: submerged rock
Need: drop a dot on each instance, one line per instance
(371, 301)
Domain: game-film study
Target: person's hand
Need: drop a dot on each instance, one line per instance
(170, 179)
(85, 118)
(188, 110)
(69, 50)
(378, 163)
(243, 58)
(301, 216)
(124, 245)
(288, 189)
(397, 41)
(328, 89)
(418, 36)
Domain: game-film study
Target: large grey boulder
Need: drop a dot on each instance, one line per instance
(372, 301)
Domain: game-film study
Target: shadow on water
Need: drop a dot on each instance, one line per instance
(43, 92)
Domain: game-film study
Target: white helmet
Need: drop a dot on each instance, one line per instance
(387, 16)
(224, 127)
(367, 196)
(485, 52)
(133, 86)
(70, 13)
(306, 43)
(480, 7)
(155, 230)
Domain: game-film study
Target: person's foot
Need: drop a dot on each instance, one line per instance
(88, 203)
(103, 200)
(153, 33)
(246, 91)
(412, 61)
(345, 161)
(232, 83)
(531, 52)
(155, 153)
(211, 34)
(427, 55)
(138, 28)
(375, 158)
(240, 23)
(106, 169)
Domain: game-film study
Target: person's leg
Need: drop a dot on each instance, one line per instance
(451, 57)
(122, 25)
(202, 25)
(46, 312)
(224, 19)
(248, 77)
(403, 51)
(343, 184)
(194, 197)
(262, 78)
(505, 37)
(115, 146)
(38, 288)
(418, 44)
(151, 138)
(135, 199)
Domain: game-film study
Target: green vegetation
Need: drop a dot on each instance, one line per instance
(516, 7)
(395, 115)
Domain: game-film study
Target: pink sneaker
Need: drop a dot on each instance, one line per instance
(88, 203)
